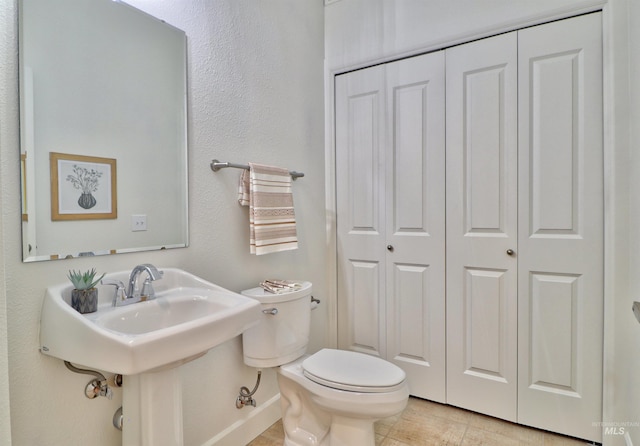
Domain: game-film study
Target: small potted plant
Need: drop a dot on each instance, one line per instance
(84, 296)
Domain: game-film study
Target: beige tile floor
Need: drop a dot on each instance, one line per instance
(426, 423)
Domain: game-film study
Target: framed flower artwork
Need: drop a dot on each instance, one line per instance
(82, 187)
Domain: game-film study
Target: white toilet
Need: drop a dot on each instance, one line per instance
(332, 397)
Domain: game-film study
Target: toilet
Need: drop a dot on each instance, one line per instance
(332, 397)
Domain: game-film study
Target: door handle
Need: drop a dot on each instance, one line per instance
(510, 252)
(390, 248)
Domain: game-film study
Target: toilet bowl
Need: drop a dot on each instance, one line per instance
(317, 411)
(332, 397)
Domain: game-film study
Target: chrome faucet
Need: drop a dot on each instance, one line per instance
(147, 289)
(130, 296)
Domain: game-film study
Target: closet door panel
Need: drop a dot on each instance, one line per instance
(364, 305)
(481, 211)
(360, 185)
(552, 151)
(561, 227)
(415, 230)
(554, 299)
(484, 302)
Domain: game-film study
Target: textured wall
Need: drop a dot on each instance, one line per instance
(255, 94)
(626, 361)
(358, 32)
(7, 113)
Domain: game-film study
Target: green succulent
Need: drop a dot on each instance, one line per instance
(84, 281)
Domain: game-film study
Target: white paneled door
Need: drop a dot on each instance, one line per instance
(415, 230)
(560, 261)
(482, 227)
(360, 200)
(390, 224)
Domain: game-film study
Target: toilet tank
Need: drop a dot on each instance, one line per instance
(283, 332)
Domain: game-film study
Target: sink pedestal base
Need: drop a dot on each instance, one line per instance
(152, 409)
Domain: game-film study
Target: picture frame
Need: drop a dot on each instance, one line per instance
(82, 187)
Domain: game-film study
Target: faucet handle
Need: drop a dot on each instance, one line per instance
(119, 290)
(147, 292)
(117, 283)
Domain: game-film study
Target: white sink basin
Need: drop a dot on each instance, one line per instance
(171, 308)
(188, 317)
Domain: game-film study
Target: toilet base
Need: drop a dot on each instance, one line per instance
(315, 415)
(304, 424)
(351, 431)
(342, 432)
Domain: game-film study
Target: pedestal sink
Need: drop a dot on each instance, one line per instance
(146, 342)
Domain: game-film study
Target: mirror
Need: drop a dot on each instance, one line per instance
(103, 130)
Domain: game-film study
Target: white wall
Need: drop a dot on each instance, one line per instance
(627, 330)
(8, 136)
(359, 33)
(255, 94)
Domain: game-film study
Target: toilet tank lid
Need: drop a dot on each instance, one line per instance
(266, 297)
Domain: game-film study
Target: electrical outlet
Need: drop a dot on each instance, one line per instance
(138, 223)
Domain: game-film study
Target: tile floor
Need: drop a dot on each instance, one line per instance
(426, 423)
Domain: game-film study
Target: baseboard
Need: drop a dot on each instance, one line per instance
(243, 431)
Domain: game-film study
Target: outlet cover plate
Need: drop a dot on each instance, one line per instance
(138, 223)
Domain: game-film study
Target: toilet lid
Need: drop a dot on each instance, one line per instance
(357, 372)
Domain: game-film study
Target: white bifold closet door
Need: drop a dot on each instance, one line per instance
(482, 227)
(525, 226)
(561, 229)
(518, 175)
(390, 223)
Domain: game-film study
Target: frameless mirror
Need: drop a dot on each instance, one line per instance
(103, 130)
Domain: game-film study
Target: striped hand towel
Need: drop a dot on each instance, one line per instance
(272, 222)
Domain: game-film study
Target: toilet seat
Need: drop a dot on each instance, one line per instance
(352, 371)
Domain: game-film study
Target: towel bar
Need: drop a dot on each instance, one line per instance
(217, 165)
